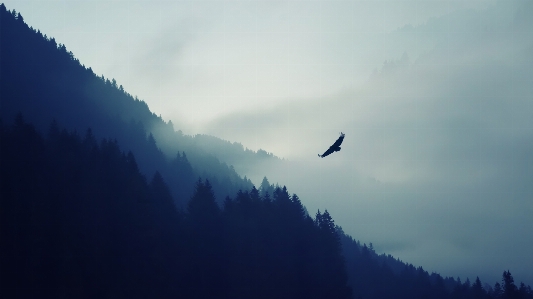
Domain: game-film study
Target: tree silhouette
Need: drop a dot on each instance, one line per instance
(509, 289)
(205, 236)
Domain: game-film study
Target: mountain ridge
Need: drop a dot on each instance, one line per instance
(83, 100)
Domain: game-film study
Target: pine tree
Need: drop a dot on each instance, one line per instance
(206, 262)
(265, 187)
(497, 291)
(477, 290)
(510, 290)
(203, 211)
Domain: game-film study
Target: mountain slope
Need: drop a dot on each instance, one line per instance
(79, 220)
(44, 82)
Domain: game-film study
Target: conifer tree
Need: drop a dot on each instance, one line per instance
(497, 291)
(205, 237)
(509, 289)
(477, 290)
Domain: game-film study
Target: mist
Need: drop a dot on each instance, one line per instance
(435, 99)
(437, 159)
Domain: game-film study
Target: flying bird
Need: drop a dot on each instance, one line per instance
(334, 148)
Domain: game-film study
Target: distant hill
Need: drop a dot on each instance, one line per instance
(244, 160)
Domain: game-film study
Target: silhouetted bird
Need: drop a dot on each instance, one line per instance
(334, 148)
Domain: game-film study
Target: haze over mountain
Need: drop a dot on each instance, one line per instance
(437, 158)
(46, 84)
(439, 143)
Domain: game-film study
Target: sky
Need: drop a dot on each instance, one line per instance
(435, 98)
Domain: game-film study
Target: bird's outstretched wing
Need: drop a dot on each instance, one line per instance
(334, 147)
(326, 153)
(338, 142)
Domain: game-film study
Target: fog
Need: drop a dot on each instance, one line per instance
(435, 99)
(436, 165)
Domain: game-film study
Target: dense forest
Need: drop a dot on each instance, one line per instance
(91, 205)
(80, 220)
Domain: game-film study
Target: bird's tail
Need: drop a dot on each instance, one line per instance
(319, 155)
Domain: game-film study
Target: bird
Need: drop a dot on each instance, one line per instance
(334, 148)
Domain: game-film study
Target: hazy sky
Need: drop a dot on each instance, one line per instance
(437, 164)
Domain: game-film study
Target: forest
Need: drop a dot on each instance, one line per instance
(91, 206)
(80, 220)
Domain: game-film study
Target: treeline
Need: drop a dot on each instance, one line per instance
(79, 220)
(242, 159)
(382, 276)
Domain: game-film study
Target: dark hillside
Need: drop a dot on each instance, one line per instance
(79, 220)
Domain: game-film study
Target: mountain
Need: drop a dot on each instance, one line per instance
(88, 194)
(45, 82)
(244, 160)
(79, 220)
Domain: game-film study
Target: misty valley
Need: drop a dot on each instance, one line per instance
(102, 198)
